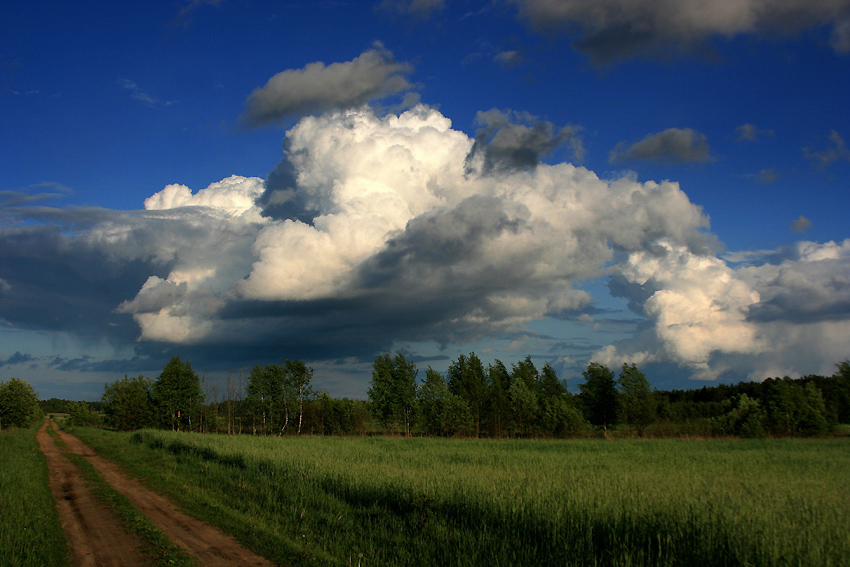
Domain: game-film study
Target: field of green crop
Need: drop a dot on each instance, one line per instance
(380, 501)
(30, 531)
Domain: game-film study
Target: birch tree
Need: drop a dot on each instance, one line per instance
(299, 381)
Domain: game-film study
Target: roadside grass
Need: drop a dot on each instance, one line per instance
(379, 501)
(30, 531)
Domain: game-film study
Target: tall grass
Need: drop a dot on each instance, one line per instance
(378, 501)
(30, 530)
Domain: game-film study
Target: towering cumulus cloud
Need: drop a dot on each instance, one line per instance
(408, 231)
(403, 219)
(205, 240)
(376, 229)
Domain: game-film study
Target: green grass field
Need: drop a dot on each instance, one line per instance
(30, 531)
(380, 501)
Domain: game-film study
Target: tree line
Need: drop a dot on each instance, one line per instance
(468, 400)
(525, 401)
(274, 399)
(472, 400)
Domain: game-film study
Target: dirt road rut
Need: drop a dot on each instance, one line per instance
(208, 545)
(93, 532)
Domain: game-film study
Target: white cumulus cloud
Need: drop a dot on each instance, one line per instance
(780, 313)
(233, 196)
(397, 213)
(402, 234)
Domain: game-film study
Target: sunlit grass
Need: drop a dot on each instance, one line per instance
(30, 530)
(454, 502)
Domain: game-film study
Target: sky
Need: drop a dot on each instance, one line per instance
(239, 182)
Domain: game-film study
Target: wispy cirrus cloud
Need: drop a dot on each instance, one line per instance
(750, 133)
(136, 93)
(837, 151)
(422, 9)
(184, 15)
(509, 59)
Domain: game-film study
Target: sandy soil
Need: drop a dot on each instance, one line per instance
(208, 545)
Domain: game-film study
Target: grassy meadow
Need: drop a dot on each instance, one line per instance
(30, 531)
(385, 501)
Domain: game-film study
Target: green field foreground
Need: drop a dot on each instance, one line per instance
(384, 501)
(30, 530)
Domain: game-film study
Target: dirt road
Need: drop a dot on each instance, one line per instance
(205, 543)
(92, 530)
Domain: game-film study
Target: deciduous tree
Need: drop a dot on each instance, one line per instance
(129, 404)
(265, 395)
(440, 411)
(497, 409)
(558, 414)
(466, 379)
(81, 414)
(599, 395)
(299, 382)
(524, 406)
(18, 404)
(177, 394)
(392, 391)
(637, 400)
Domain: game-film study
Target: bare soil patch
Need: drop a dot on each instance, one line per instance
(207, 544)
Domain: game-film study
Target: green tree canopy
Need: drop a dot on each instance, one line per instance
(497, 409)
(392, 391)
(129, 404)
(276, 393)
(299, 380)
(18, 404)
(558, 414)
(177, 394)
(524, 403)
(746, 418)
(637, 400)
(81, 414)
(467, 380)
(265, 394)
(440, 411)
(550, 385)
(599, 395)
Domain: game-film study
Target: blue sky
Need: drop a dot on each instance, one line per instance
(242, 182)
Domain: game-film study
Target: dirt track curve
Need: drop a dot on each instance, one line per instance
(92, 529)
